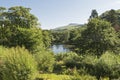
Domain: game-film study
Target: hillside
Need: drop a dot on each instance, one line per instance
(70, 26)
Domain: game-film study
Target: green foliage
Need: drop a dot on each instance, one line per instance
(94, 14)
(75, 35)
(18, 64)
(45, 60)
(19, 28)
(65, 77)
(31, 38)
(111, 16)
(108, 65)
(71, 71)
(86, 66)
(71, 60)
(59, 67)
(2, 49)
(53, 77)
(84, 77)
(60, 56)
(67, 63)
(18, 15)
(47, 38)
(118, 48)
(60, 37)
(98, 38)
(65, 34)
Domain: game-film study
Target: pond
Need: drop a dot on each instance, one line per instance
(60, 48)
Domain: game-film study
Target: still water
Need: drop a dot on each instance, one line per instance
(60, 48)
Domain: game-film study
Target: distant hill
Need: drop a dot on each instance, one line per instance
(68, 27)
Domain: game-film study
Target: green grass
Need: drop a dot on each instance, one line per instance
(64, 77)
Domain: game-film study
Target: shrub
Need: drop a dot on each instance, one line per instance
(87, 64)
(60, 56)
(108, 65)
(67, 63)
(72, 71)
(71, 60)
(45, 60)
(59, 67)
(18, 64)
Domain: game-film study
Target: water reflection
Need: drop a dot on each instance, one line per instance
(60, 49)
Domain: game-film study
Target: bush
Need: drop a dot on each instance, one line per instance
(59, 67)
(67, 63)
(71, 60)
(18, 64)
(108, 65)
(45, 60)
(60, 56)
(87, 64)
(72, 71)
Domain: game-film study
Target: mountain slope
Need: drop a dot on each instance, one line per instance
(68, 27)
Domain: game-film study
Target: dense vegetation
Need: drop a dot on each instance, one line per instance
(25, 54)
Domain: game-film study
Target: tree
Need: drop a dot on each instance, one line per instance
(31, 39)
(94, 14)
(21, 16)
(75, 34)
(18, 15)
(111, 16)
(45, 60)
(20, 29)
(98, 37)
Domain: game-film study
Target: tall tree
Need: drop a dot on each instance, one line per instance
(98, 37)
(94, 14)
(20, 29)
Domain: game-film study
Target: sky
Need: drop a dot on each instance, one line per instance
(56, 13)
